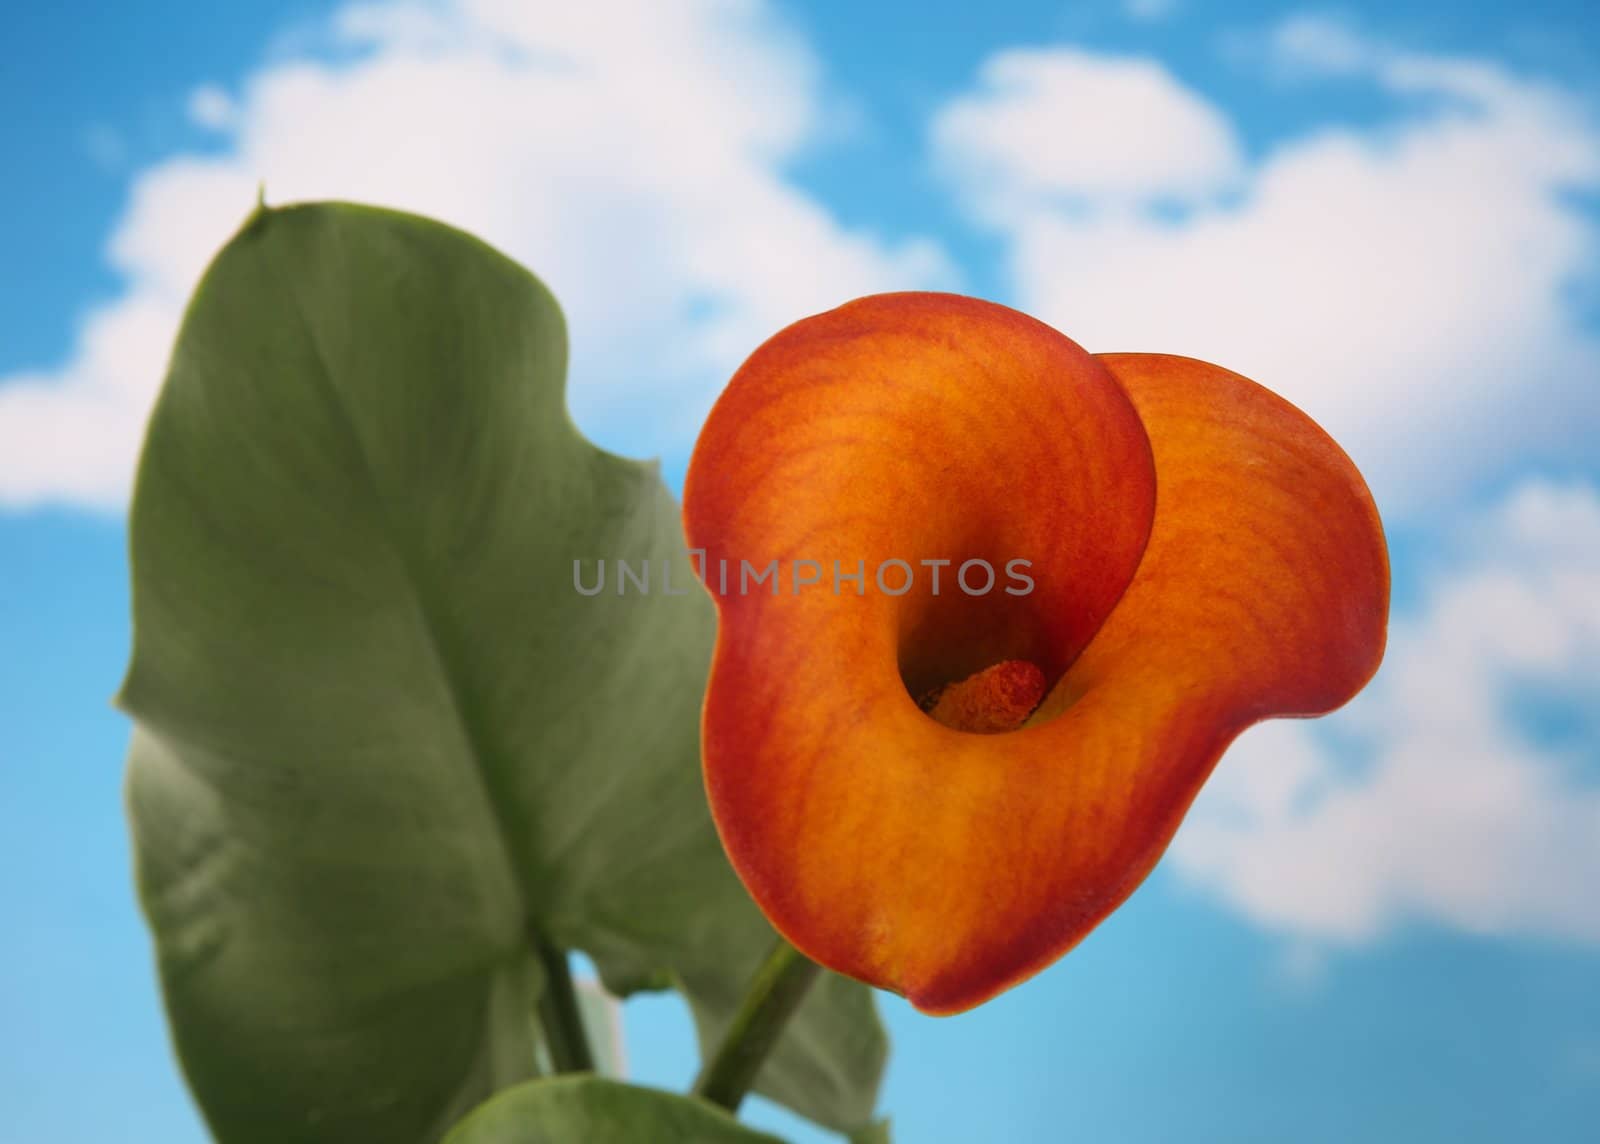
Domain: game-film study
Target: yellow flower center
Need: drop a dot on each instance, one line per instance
(998, 698)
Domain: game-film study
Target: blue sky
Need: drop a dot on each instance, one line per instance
(1383, 926)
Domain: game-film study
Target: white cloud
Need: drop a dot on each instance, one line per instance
(1407, 283)
(105, 147)
(1149, 11)
(212, 108)
(1065, 130)
(629, 151)
(1315, 43)
(1458, 812)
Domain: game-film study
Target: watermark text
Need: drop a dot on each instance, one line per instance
(725, 577)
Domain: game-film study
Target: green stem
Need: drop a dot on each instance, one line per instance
(775, 991)
(559, 1015)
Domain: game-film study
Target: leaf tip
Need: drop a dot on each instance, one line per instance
(258, 211)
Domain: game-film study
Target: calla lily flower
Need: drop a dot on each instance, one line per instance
(940, 790)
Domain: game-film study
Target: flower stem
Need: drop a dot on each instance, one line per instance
(775, 991)
(558, 1013)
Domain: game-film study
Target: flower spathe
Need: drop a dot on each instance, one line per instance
(939, 792)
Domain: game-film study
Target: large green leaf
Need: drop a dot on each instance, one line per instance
(383, 745)
(591, 1110)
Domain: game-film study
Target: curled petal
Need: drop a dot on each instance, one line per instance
(923, 847)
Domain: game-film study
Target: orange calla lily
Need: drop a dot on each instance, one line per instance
(940, 790)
